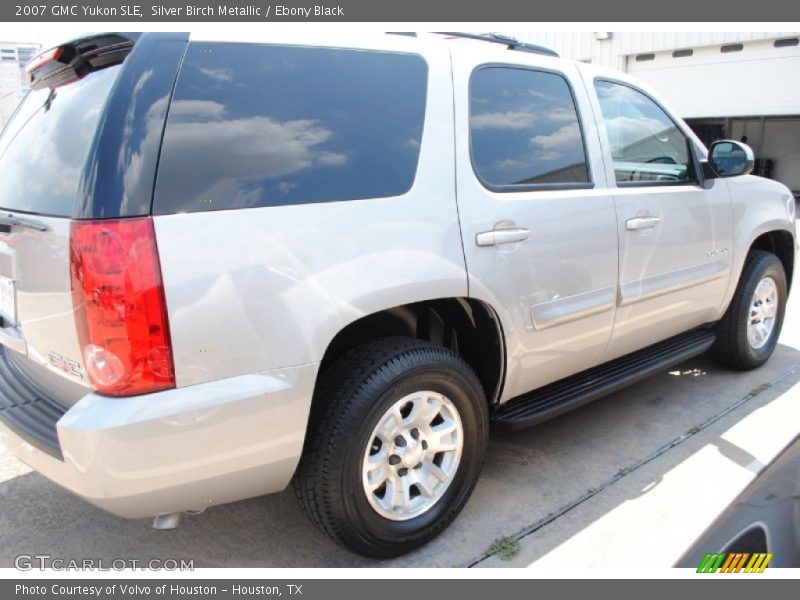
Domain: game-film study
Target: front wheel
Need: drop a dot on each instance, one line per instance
(395, 445)
(748, 333)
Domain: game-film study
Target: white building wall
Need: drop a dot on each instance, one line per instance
(613, 52)
(758, 80)
(13, 57)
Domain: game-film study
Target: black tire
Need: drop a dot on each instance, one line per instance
(732, 348)
(350, 398)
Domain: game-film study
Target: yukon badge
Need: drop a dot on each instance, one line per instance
(718, 252)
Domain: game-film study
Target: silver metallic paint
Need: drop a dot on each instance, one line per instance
(255, 296)
(180, 449)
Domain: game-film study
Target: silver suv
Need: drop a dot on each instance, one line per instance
(226, 265)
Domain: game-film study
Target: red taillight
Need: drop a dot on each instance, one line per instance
(44, 58)
(119, 306)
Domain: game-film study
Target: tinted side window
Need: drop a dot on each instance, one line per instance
(258, 125)
(524, 129)
(646, 145)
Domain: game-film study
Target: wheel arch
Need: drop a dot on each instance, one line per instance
(468, 327)
(781, 243)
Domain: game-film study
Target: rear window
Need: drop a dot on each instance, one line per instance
(262, 125)
(44, 147)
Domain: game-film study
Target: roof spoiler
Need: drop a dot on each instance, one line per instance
(73, 60)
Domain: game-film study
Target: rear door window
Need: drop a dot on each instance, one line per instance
(524, 130)
(263, 125)
(45, 145)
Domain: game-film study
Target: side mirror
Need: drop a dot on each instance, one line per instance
(727, 158)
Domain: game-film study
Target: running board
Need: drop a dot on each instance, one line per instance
(577, 390)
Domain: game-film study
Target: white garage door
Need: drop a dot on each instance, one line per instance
(758, 79)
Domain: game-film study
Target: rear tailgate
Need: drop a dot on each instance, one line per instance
(83, 144)
(38, 327)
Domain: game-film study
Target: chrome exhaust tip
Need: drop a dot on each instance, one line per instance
(168, 521)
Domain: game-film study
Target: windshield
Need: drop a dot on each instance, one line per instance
(44, 146)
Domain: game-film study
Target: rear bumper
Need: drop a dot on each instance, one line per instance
(181, 449)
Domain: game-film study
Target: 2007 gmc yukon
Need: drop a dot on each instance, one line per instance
(230, 264)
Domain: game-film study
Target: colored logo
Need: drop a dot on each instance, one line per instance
(736, 562)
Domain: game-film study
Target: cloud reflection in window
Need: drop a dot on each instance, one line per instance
(258, 125)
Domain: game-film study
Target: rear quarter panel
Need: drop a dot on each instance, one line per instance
(262, 288)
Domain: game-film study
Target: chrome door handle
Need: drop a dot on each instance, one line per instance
(501, 236)
(641, 223)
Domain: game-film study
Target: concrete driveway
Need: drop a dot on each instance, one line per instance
(640, 473)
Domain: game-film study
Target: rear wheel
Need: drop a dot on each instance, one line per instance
(748, 333)
(395, 445)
